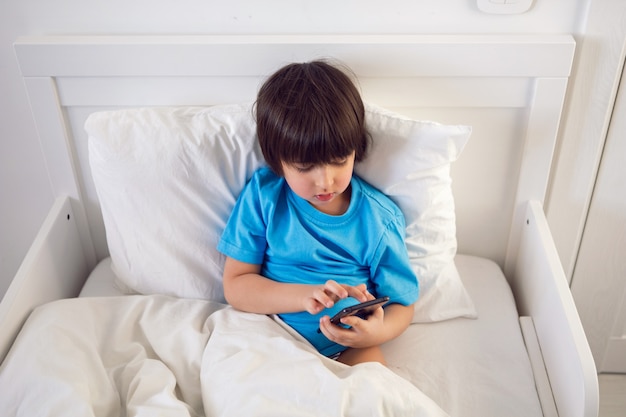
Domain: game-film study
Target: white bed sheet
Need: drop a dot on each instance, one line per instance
(101, 282)
(471, 368)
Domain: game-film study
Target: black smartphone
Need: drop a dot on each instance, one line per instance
(361, 310)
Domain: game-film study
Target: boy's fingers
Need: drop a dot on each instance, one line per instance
(360, 294)
(334, 289)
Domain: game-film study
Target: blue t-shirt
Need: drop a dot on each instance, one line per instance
(296, 243)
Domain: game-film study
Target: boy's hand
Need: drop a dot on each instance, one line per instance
(362, 332)
(325, 296)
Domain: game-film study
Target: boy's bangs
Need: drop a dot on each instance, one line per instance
(320, 150)
(328, 144)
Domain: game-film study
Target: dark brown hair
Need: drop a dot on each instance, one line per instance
(310, 113)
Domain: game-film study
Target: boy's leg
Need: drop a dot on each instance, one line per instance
(352, 356)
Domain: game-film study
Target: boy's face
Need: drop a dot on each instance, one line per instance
(323, 186)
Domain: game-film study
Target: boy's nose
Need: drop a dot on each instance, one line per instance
(325, 176)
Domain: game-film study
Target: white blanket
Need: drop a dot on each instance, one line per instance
(161, 356)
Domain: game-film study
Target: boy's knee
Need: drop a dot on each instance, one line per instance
(353, 356)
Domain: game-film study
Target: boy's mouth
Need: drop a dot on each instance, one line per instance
(325, 197)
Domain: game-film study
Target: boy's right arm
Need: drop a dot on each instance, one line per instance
(247, 290)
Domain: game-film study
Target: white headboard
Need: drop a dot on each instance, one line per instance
(509, 88)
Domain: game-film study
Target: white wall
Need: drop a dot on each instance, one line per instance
(25, 194)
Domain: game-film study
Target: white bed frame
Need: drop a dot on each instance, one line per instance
(509, 88)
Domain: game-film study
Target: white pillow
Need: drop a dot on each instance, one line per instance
(167, 179)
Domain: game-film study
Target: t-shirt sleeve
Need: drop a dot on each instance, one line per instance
(244, 237)
(391, 272)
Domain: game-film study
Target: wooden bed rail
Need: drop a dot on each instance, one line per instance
(541, 292)
(55, 267)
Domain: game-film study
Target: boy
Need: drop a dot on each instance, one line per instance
(307, 237)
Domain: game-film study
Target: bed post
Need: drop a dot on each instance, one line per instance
(59, 153)
(540, 140)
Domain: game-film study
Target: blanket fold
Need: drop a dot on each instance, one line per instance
(163, 356)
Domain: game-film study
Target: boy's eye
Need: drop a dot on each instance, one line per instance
(340, 162)
(303, 168)
(309, 167)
